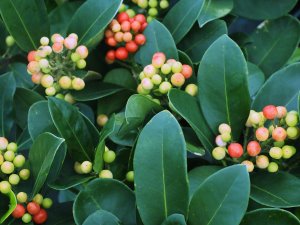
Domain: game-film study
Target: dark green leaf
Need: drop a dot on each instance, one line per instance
(193, 144)
(175, 219)
(22, 78)
(8, 204)
(256, 78)
(121, 77)
(102, 217)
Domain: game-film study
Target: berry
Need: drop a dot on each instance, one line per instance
(292, 119)
(191, 89)
(65, 82)
(279, 134)
(44, 41)
(18, 212)
(130, 12)
(149, 71)
(176, 67)
(278, 144)
(5, 187)
(142, 3)
(281, 112)
(288, 151)
(75, 57)
(110, 55)
(153, 12)
(255, 117)
(57, 47)
(50, 91)
(262, 134)
(249, 165)
(31, 56)
(22, 197)
(102, 120)
(86, 167)
(219, 153)
(123, 16)
(33, 67)
(82, 51)
(219, 141)
(125, 26)
(47, 81)
(19, 161)
(253, 148)
(177, 79)
(38, 199)
(153, 3)
(12, 146)
(109, 156)
(293, 132)
(77, 83)
(9, 156)
(105, 174)
(164, 4)
(81, 64)
(47, 203)
(121, 53)
(36, 78)
(187, 71)
(276, 152)
(140, 17)
(3, 143)
(156, 79)
(14, 179)
(147, 84)
(24, 174)
(10, 41)
(158, 59)
(73, 35)
(130, 176)
(127, 36)
(41, 217)
(33, 208)
(70, 43)
(131, 46)
(116, 27)
(26, 218)
(273, 167)
(141, 90)
(262, 161)
(164, 87)
(235, 150)
(57, 38)
(140, 39)
(118, 36)
(7, 167)
(224, 128)
(270, 112)
(226, 137)
(1, 159)
(136, 26)
(69, 98)
(109, 33)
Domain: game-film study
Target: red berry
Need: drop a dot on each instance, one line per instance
(140, 39)
(136, 26)
(19, 211)
(111, 41)
(144, 25)
(31, 56)
(110, 55)
(262, 134)
(141, 18)
(253, 148)
(121, 53)
(235, 150)
(131, 46)
(33, 208)
(123, 16)
(270, 112)
(41, 217)
(187, 71)
(109, 33)
(125, 26)
(279, 134)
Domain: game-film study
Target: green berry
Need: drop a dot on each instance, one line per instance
(75, 57)
(109, 156)
(86, 167)
(7, 167)
(14, 179)
(106, 174)
(288, 151)
(156, 79)
(176, 67)
(81, 64)
(122, 8)
(130, 12)
(77, 167)
(153, 3)
(226, 137)
(191, 89)
(130, 176)
(38, 199)
(22, 197)
(12, 146)
(219, 153)
(24, 174)
(273, 167)
(164, 4)
(5, 187)
(60, 96)
(153, 12)
(166, 69)
(19, 161)
(1, 159)
(9, 156)
(50, 91)
(47, 203)
(291, 119)
(142, 3)
(149, 19)
(164, 87)
(276, 152)
(292, 133)
(26, 218)
(10, 41)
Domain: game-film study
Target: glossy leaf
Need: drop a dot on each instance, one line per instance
(256, 9)
(106, 194)
(102, 217)
(274, 43)
(91, 19)
(7, 90)
(175, 219)
(223, 86)
(256, 78)
(41, 157)
(121, 77)
(197, 41)
(159, 39)
(72, 127)
(8, 203)
(21, 75)
(193, 144)
(214, 9)
(270, 216)
(287, 96)
(282, 195)
(224, 192)
(193, 115)
(181, 17)
(18, 17)
(159, 182)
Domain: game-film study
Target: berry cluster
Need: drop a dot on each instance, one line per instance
(160, 76)
(32, 211)
(124, 34)
(152, 7)
(12, 164)
(272, 143)
(53, 66)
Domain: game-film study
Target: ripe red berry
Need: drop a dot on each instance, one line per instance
(136, 26)
(144, 25)
(131, 46)
(253, 148)
(121, 53)
(279, 134)
(140, 17)
(123, 16)
(235, 150)
(33, 208)
(19, 211)
(111, 41)
(140, 39)
(31, 56)
(187, 71)
(110, 55)
(270, 112)
(41, 217)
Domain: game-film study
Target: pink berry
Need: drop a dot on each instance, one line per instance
(33, 67)
(57, 38)
(36, 78)
(219, 141)
(31, 56)
(262, 134)
(270, 112)
(187, 71)
(158, 59)
(281, 112)
(279, 134)
(70, 43)
(149, 70)
(73, 35)
(82, 51)
(57, 47)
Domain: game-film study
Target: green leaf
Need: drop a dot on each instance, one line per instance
(159, 39)
(256, 78)
(39, 120)
(8, 203)
(73, 128)
(197, 41)
(7, 90)
(26, 21)
(21, 75)
(175, 219)
(270, 216)
(222, 198)
(214, 9)
(61, 16)
(121, 77)
(181, 17)
(282, 195)
(105, 194)
(256, 9)
(91, 19)
(223, 86)
(274, 43)
(193, 115)
(287, 96)
(159, 182)
(102, 217)
(198, 175)
(193, 144)
(41, 157)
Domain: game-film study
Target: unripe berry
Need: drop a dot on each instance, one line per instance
(149, 71)
(10, 41)
(166, 69)
(116, 27)
(3, 143)
(270, 112)
(44, 41)
(102, 120)
(81, 64)
(273, 167)
(176, 67)
(19, 161)
(36, 78)
(106, 174)
(191, 89)
(5, 187)
(130, 12)
(50, 91)
(156, 79)
(249, 165)
(82, 51)
(177, 79)
(33, 208)
(153, 12)
(75, 57)
(292, 119)
(141, 90)
(130, 176)
(24, 174)
(47, 203)
(22, 197)
(219, 141)
(109, 156)
(70, 43)
(78, 84)
(164, 87)
(86, 167)
(38, 198)
(57, 47)
(73, 35)
(18, 212)
(288, 151)
(9, 156)
(77, 167)
(276, 152)
(293, 133)
(118, 36)
(253, 148)
(153, 3)
(262, 134)
(219, 153)
(14, 179)
(235, 150)
(147, 84)
(141, 75)
(262, 161)
(224, 128)
(7, 167)
(255, 117)
(164, 4)
(1, 159)
(279, 134)
(60, 96)
(69, 98)
(142, 3)
(26, 218)
(187, 71)
(281, 112)
(12, 146)
(65, 82)
(158, 59)
(47, 81)
(226, 137)
(278, 144)
(57, 38)
(33, 67)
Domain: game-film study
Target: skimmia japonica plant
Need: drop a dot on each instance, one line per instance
(149, 112)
